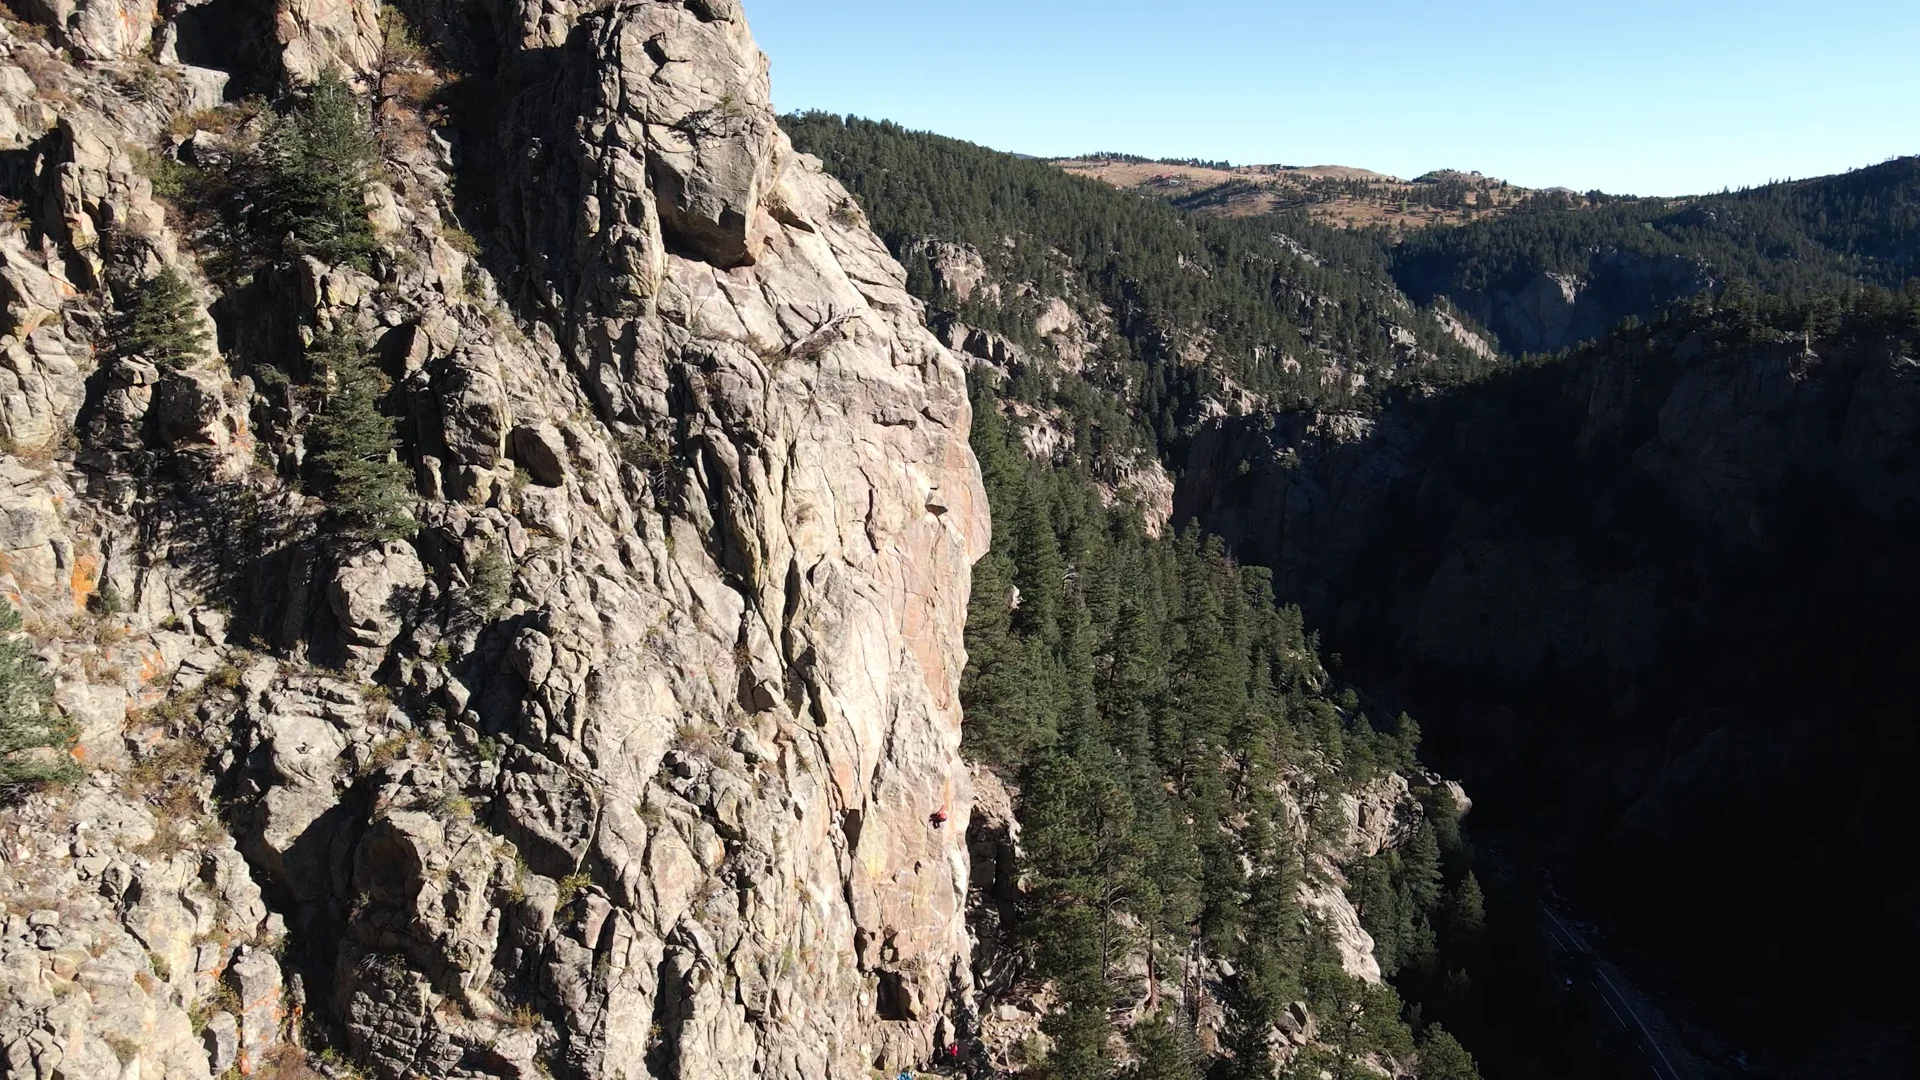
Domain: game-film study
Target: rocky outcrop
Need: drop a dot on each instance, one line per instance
(1546, 311)
(730, 779)
(624, 764)
(957, 269)
(1474, 341)
(983, 346)
(1715, 440)
(641, 754)
(99, 29)
(1301, 492)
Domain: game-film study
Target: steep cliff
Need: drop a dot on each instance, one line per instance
(1649, 599)
(1532, 310)
(624, 762)
(502, 532)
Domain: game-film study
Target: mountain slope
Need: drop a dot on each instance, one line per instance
(1206, 313)
(1650, 599)
(1548, 278)
(1593, 577)
(1331, 195)
(494, 531)
(1128, 680)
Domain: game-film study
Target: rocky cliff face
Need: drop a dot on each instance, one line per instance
(627, 763)
(1546, 311)
(1463, 516)
(1650, 595)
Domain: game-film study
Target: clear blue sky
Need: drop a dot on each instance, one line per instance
(1629, 96)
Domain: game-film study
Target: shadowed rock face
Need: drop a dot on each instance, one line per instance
(1545, 312)
(1476, 507)
(1652, 598)
(628, 761)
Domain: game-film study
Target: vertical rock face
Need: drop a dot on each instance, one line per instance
(730, 701)
(1545, 311)
(751, 719)
(100, 29)
(642, 757)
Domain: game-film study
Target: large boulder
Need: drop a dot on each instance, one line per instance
(474, 413)
(30, 292)
(697, 94)
(374, 593)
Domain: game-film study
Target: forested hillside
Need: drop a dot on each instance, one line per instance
(1602, 630)
(1554, 269)
(1186, 766)
(507, 579)
(1791, 239)
(1187, 770)
(1559, 271)
(1332, 195)
(1275, 306)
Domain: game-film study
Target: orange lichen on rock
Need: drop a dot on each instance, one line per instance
(85, 580)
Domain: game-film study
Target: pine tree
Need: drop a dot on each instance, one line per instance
(1249, 1033)
(34, 740)
(1003, 721)
(1162, 1050)
(163, 323)
(1080, 720)
(314, 165)
(1039, 571)
(1443, 1058)
(369, 494)
(1079, 1032)
(1063, 884)
(1420, 864)
(1466, 915)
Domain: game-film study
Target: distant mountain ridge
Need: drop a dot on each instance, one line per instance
(1549, 269)
(1339, 196)
(1549, 277)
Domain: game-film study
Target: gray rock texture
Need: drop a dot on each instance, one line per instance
(622, 765)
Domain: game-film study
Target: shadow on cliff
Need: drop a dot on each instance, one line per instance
(504, 106)
(1663, 634)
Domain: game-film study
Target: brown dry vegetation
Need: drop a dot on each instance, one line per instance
(1336, 195)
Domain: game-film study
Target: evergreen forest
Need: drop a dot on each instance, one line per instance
(1175, 730)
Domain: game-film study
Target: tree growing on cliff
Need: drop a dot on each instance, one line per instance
(162, 322)
(369, 494)
(34, 740)
(314, 164)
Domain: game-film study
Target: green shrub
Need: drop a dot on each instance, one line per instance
(572, 886)
(171, 178)
(369, 494)
(163, 323)
(1443, 1058)
(490, 587)
(34, 740)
